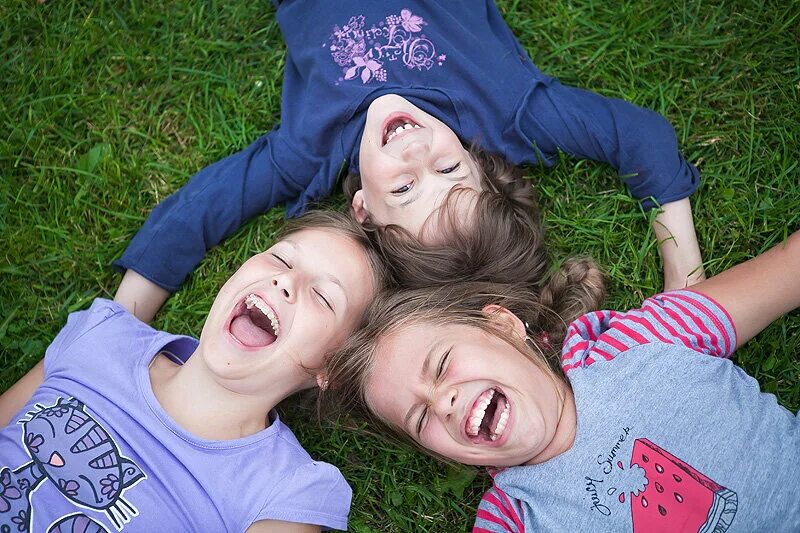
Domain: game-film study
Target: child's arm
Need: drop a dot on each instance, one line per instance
(140, 296)
(639, 143)
(677, 243)
(279, 526)
(209, 208)
(758, 291)
(20, 393)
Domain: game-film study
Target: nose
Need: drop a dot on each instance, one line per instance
(285, 284)
(444, 402)
(415, 150)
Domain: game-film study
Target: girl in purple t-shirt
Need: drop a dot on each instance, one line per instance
(126, 427)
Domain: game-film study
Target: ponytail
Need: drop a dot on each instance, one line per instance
(575, 289)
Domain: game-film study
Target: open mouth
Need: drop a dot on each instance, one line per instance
(488, 417)
(396, 126)
(255, 324)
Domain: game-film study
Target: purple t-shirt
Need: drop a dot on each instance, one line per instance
(93, 450)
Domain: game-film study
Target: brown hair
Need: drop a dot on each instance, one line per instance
(343, 224)
(575, 289)
(503, 244)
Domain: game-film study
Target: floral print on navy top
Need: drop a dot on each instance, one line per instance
(364, 54)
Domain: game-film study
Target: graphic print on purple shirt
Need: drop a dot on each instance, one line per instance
(76, 523)
(395, 38)
(68, 447)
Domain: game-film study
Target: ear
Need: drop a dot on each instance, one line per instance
(322, 381)
(506, 320)
(359, 207)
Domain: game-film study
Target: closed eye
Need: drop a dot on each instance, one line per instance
(452, 169)
(440, 369)
(422, 417)
(323, 299)
(443, 363)
(282, 260)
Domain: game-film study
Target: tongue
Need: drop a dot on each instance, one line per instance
(249, 334)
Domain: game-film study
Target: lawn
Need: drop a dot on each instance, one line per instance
(108, 107)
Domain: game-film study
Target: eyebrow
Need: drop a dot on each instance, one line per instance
(333, 279)
(328, 276)
(288, 241)
(423, 372)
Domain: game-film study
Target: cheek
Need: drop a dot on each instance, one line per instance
(319, 335)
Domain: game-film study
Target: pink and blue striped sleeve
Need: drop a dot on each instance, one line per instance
(684, 317)
(498, 513)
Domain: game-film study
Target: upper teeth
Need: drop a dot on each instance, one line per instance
(479, 411)
(401, 129)
(254, 301)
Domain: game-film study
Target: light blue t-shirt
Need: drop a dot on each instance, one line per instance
(671, 435)
(94, 451)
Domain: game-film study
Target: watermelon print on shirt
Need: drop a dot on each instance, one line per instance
(677, 495)
(671, 435)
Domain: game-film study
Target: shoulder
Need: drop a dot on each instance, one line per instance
(96, 329)
(498, 512)
(304, 470)
(97, 313)
(312, 492)
(679, 318)
(81, 322)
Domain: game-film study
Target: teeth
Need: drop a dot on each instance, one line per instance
(254, 301)
(476, 417)
(401, 129)
(501, 423)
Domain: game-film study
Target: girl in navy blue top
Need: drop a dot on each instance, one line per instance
(393, 91)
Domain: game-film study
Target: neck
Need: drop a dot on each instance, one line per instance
(564, 436)
(211, 409)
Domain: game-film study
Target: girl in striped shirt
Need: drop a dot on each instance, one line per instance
(640, 422)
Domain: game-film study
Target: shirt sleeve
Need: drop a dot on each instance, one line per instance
(639, 143)
(211, 206)
(682, 317)
(498, 513)
(316, 493)
(78, 324)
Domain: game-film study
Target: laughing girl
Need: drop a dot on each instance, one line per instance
(396, 93)
(126, 427)
(638, 421)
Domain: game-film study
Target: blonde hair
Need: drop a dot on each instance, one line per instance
(575, 289)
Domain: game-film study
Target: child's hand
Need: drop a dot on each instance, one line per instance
(677, 244)
(140, 296)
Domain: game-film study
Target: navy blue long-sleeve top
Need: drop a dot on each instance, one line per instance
(455, 59)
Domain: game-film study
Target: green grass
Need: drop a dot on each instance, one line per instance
(108, 107)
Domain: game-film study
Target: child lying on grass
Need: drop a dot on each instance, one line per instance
(618, 421)
(397, 93)
(123, 426)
